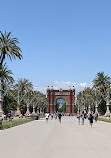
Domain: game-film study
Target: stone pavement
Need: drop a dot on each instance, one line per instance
(54, 140)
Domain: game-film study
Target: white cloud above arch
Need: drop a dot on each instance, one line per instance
(64, 85)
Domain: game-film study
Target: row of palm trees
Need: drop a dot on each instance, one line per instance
(98, 97)
(16, 95)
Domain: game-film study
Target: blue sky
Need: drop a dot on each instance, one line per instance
(63, 41)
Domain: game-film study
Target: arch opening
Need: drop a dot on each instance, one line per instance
(61, 105)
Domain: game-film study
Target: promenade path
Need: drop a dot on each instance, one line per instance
(54, 140)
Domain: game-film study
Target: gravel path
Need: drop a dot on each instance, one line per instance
(54, 140)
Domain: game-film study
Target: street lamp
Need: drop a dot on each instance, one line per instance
(108, 102)
(1, 98)
(96, 106)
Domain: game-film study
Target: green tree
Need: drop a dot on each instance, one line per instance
(5, 74)
(23, 85)
(101, 81)
(9, 47)
(6, 79)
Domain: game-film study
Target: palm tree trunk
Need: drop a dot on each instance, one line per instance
(2, 59)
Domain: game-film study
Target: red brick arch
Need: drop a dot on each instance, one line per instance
(67, 95)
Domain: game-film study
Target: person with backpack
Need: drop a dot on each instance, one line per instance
(59, 116)
(90, 118)
(52, 116)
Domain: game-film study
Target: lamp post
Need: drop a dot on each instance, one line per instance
(108, 102)
(84, 109)
(27, 112)
(33, 110)
(96, 106)
(82, 99)
(1, 99)
(28, 103)
(89, 108)
(38, 110)
(78, 108)
(18, 113)
(41, 111)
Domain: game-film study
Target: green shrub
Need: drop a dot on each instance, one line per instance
(104, 119)
(13, 123)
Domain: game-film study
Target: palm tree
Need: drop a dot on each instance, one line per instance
(6, 79)
(101, 80)
(5, 74)
(9, 47)
(24, 84)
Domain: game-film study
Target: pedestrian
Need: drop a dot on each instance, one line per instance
(55, 116)
(59, 116)
(9, 116)
(96, 116)
(6, 116)
(47, 117)
(51, 116)
(90, 117)
(82, 116)
(78, 118)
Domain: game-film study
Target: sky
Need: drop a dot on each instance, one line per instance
(63, 42)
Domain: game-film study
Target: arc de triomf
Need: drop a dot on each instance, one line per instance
(54, 95)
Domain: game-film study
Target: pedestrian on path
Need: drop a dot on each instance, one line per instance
(90, 118)
(96, 116)
(83, 116)
(55, 116)
(47, 117)
(51, 116)
(59, 116)
(78, 118)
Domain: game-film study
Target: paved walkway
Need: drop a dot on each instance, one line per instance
(54, 140)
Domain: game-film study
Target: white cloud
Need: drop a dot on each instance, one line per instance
(64, 85)
(41, 89)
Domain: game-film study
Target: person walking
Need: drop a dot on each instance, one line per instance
(47, 117)
(90, 119)
(82, 116)
(55, 116)
(59, 116)
(52, 116)
(78, 118)
(96, 116)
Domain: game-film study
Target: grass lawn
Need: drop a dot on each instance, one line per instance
(13, 123)
(104, 119)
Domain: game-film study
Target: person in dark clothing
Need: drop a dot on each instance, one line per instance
(59, 116)
(90, 119)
